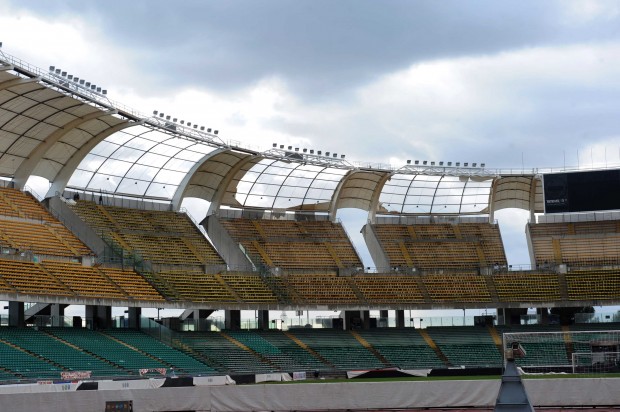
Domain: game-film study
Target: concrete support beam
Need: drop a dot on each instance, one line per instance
(263, 319)
(400, 318)
(232, 319)
(99, 317)
(16, 314)
(57, 313)
(356, 319)
(134, 315)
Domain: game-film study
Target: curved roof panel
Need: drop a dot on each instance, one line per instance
(280, 184)
(139, 161)
(435, 194)
(211, 174)
(518, 192)
(69, 134)
(358, 189)
(43, 127)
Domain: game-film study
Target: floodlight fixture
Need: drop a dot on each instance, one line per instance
(174, 120)
(290, 148)
(57, 71)
(311, 151)
(216, 131)
(335, 155)
(195, 126)
(189, 124)
(482, 165)
(305, 150)
(458, 164)
(473, 164)
(465, 164)
(0, 44)
(161, 115)
(342, 156)
(408, 162)
(87, 84)
(168, 117)
(440, 163)
(318, 152)
(297, 149)
(449, 163)
(98, 89)
(70, 76)
(281, 146)
(182, 121)
(417, 162)
(63, 74)
(202, 128)
(424, 162)
(76, 79)
(52, 68)
(208, 130)
(432, 163)
(82, 82)
(275, 145)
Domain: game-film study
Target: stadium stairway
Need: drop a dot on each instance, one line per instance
(251, 350)
(404, 348)
(309, 349)
(368, 346)
(155, 349)
(282, 350)
(430, 342)
(26, 364)
(469, 346)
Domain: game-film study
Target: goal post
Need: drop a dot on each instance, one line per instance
(579, 352)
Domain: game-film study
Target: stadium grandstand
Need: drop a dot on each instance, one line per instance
(111, 233)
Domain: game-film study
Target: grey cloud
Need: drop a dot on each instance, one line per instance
(319, 47)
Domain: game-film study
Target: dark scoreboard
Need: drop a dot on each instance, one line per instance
(582, 191)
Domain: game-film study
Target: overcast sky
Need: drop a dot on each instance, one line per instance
(509, 83)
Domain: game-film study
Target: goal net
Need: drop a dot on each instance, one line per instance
(579, 352)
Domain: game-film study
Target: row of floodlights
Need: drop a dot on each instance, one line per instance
(77, 80)
(310, 151)
(182, 122)
(449, 164)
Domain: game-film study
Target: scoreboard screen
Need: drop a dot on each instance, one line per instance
(582, 191)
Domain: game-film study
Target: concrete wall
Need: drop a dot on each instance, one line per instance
(376, 252)
(62, 212)
(319, 396)
(225, 245)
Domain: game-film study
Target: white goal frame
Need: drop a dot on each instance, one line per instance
(565, 351)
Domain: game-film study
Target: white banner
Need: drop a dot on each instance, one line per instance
(299, 376)
(75, 375)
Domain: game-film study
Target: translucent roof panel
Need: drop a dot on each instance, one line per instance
(139, 161)
(425, 194)
(283, 185)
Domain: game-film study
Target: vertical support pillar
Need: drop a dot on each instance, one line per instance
(263, 320)
(400, 318)
(384, 316)
(57, 313)
(543, 315)
(99, 317)
(16, 314)
(232, 319)
(355, 319)
(365, 315)
(134, 315)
